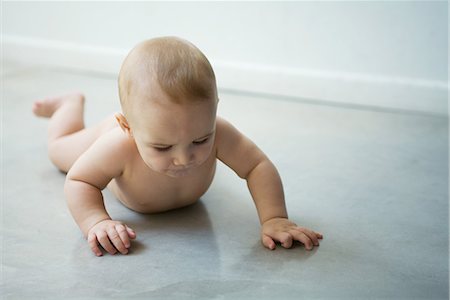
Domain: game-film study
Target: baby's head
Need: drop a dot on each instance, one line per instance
(169, 99)
(169, 65)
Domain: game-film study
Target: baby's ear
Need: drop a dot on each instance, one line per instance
(120, 118)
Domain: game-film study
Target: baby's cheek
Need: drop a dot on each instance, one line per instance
(203, 155)
(154, 162)
(158, 164)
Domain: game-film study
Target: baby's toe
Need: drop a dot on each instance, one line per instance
(37, 107)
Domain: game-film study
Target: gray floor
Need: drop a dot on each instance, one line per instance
(375, 183)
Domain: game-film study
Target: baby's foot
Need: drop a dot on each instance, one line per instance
(47, 106)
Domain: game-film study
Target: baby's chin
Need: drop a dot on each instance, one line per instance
(173, 173)
(178, 174)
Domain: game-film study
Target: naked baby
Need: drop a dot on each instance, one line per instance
(160, 153)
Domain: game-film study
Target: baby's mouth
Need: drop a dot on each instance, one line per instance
(181, 171)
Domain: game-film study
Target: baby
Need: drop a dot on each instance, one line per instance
(160, 153)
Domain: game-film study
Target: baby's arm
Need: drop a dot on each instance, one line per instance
(86, 179)
(265, 186)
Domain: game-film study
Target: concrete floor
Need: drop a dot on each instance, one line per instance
(375, 183)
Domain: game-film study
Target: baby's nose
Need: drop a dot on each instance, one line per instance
(183, 158)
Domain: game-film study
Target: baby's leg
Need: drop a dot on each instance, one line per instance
(67, 137)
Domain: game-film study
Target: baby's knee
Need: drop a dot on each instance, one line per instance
(58, 156)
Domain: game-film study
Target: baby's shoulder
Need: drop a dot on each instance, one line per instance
(105, 159)
(222, 125)
(226, 133)
(117, 143)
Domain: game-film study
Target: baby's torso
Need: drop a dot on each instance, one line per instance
(146, 191)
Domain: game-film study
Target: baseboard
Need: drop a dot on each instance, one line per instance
(410, 94)
(62, 54)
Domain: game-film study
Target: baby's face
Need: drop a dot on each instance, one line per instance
(172, 138)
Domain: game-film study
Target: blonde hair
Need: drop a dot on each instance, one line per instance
(179, 68)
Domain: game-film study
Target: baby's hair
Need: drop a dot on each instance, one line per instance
(179, 68)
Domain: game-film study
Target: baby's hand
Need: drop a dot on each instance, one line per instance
(286, 232)
(112, 235)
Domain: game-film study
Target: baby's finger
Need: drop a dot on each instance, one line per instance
(268, 242)
(303, 238)
(131, 232)
(92, 240)
(123, 234)
(312, 236)
(116, 240)
(284, 238)
(103, 239)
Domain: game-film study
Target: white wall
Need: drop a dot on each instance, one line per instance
(388, 54)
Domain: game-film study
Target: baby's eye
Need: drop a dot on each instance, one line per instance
(201, 141)
(162, 149)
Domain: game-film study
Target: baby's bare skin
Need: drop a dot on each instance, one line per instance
(138, 187)
(142, 167)
(146, 191)
(144, 173)
(160, 154)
